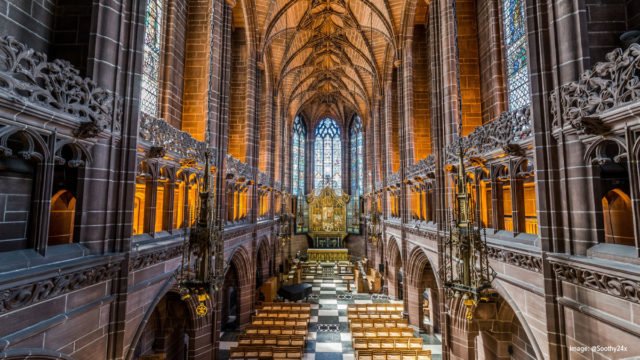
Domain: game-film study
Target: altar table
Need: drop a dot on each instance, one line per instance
(327, 255)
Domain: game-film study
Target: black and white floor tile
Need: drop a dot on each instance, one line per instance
(329, 337)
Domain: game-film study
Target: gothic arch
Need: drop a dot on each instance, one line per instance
(502, 313)
(34, 144)
(40, 354)
(422, 275)
(394, 266)
(263, 259)
(79, 153)
(242, 261)
(417, 261)
(393, 248)
(170, 285)
(239, 279)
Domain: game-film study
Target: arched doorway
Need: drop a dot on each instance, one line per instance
(394, 270)
(238, 291)
(500, 335)
(423, 291)
(168, 333)
(230, 300)
(263, 269)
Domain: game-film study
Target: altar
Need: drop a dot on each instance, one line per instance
(332, 255)
(328, 217)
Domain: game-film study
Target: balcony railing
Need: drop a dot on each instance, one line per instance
(504, 135)
(163, 137)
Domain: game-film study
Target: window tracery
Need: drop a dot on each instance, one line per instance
(327, 154)
(515, 43)
(298, 156)
(357, 170)
(151, 62)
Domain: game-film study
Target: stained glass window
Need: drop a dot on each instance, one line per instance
(515, 40)
(357, 170)
(327, 154)
(151, 62)
(298, 156)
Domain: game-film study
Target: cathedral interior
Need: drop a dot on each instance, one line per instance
(320, 179)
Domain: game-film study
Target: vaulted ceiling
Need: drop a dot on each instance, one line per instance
(326, 57)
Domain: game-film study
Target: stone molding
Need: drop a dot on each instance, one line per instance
(238, 169)
(531, 262)
(19, 296)
(393, 179)
(607, 85)
(263, 179)
(421, 228)
(505, 134)
(238, 230)
(609, 283)
(143, 260)
(27, 74)
(422, 167)
(521, 260)
(163, 137)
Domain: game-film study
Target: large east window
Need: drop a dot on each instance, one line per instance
(515, 41)
(152, 50)
(298, 156)
(356, 144)
(327, 155)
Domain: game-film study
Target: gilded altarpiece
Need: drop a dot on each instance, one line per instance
(328, 217)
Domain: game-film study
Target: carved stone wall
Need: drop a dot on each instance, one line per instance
(56, 85)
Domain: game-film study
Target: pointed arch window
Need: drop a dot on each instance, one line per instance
(515, 43)
(357, 170)
(151, 63)
(327, 154)
(298, 156)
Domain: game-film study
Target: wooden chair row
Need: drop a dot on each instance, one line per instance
(270, 340)
(387, 344)
(393, 355)
(373, 315)
(266, 352)
(284, 306)
(378, 323)
(279, 321)
(375, 307)
(294, 314)
(277, 330)
(393, 332)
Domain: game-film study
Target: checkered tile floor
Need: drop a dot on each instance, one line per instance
(329, 337)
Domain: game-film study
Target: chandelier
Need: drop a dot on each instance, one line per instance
(465, 271)
(197, 277)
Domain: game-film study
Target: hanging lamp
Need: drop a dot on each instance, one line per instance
(466, 272)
